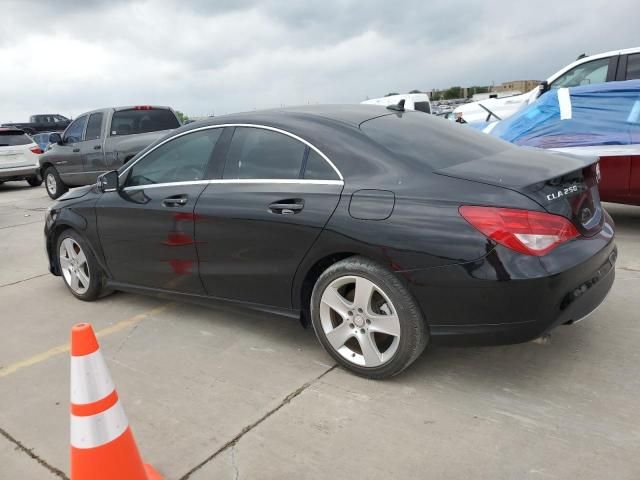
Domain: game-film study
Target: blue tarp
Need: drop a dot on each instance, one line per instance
(602, 114)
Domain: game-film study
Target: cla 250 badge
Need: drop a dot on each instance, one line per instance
(561, 193)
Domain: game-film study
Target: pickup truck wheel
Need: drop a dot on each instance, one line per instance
(55, 186)
(35, 181)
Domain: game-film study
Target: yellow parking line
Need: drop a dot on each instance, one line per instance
(116, 327)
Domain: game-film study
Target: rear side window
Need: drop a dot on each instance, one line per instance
(94, 127)
(426, 140)
(183, 159)
(318, 168)
(256, 153)
(633, 66)
(422, 107)
(13, 138)
(129, 122)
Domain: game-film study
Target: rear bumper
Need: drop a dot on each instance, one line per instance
(17, 173)
(507, 298)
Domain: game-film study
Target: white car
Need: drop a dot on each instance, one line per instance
(412, 101)
(612, 66)
(19, 157)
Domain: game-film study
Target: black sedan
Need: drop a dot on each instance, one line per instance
(384, 229)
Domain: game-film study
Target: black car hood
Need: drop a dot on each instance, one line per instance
(76, 193)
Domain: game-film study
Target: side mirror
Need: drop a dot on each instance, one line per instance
(543, 86)
(55, 138)
(108, 182)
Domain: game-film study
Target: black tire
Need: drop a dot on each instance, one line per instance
(35, 181)
(95, 289)
(414, 334)
(54, 184)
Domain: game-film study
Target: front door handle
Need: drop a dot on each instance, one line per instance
(289, 206)
(175, 201)
(76, 150)
(97, 147)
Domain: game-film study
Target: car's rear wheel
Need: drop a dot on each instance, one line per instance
(55, 186)
(78, 266)
(35, 181)
(366, 318)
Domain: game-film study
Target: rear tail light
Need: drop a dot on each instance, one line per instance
(143, 107)
(525, 231)
(37, 150)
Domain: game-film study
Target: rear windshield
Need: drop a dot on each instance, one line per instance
(129, 122)
(429, 140)
(10, 139)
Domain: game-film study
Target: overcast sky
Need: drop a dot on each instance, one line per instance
(223, 56)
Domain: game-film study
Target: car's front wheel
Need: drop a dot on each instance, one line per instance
(79, 268)
(53, 182)
(366, 318)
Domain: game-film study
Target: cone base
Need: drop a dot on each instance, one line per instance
(152, 474)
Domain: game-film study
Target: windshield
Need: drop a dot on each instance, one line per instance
(427, 140)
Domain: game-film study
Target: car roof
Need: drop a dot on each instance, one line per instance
(352, 115)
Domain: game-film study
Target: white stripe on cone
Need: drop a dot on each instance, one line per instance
(90, 379)
(97, 430)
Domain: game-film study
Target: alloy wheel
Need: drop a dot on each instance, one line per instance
(74, 266)
(360, 321)
(51, 184)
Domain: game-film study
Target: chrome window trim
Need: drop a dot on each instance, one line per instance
(248, 181)
(249, 125)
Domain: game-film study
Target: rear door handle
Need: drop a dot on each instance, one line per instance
(97, 147)
(76, 150)
(175, 201)
(289, 206)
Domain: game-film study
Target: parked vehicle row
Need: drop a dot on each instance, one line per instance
(388, 229)
(99, 141)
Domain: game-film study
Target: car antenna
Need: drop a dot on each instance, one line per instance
(399, 107)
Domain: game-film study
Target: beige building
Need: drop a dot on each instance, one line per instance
(517, 85)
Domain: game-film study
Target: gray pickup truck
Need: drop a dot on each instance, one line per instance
(99, 141)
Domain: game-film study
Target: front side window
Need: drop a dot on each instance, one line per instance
(73, 134)
(633, 66)
(183, 159)
(94, 127)
(133, 121)
(256, 153)
(588, 73)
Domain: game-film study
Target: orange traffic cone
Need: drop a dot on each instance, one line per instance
(102, 445)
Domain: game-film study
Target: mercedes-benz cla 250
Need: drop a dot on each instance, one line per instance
(386, 230)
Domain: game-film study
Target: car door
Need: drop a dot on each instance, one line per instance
(146, 227)
(67, 159)
(255, 225)
(91, 153)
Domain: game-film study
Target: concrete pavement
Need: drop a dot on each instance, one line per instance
(237, 394)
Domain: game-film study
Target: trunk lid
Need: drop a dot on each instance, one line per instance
(562, 184)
